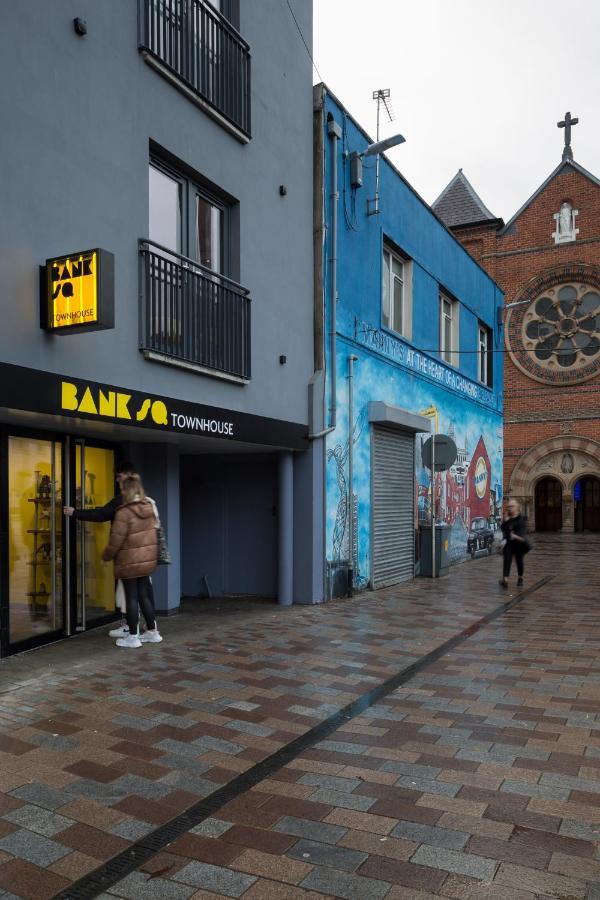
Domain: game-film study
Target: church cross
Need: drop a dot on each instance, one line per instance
(567, 123)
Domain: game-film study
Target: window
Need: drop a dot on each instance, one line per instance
(164, 226)
(193, 314)
(196, 46)
(395, 299)
(201, 235)
(484, 354)
(449, 330)
(209, 234)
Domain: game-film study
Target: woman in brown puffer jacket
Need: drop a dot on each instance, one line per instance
(134, 547)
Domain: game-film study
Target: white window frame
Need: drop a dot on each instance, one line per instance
(483, 354)
(404, 279)
(449, 354)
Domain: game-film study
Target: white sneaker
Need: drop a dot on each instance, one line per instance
(151, 637)
(121, 631)
(132, 640)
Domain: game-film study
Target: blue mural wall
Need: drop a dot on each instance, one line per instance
(406, 373)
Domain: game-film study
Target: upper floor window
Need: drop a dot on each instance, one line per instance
(449, 322)
(209, 233)
(164, 207)
(193, 314)
(195, 45)
(186, 219)
(396, 307)
(484, 354)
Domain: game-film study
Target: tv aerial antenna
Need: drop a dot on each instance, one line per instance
(382, 96)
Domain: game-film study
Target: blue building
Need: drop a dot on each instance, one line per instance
(408, 341)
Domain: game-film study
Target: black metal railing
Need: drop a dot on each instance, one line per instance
(193, 315)
(199, 45)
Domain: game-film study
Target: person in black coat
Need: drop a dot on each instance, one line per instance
(106, 513)
(514, 531)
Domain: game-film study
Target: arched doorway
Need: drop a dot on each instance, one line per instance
(586, 496)
(548, 505)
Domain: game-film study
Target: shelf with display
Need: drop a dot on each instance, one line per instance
(46, 544)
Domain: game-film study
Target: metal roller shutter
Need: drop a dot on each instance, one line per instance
(392, 492)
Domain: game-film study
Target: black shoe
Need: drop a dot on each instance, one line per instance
(520, 581)
(503, 582)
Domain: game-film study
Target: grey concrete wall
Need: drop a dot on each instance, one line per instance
(78, 116)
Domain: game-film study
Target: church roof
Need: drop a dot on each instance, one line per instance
(460, 204)
(566, 165)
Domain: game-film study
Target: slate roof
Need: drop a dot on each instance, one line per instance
(460, 204)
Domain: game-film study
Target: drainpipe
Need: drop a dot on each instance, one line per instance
(285, 530)
(351, 360)
(335, 133)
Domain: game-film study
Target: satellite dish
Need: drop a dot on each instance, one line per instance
(445, 452)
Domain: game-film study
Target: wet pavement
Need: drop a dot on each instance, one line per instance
(475, 775)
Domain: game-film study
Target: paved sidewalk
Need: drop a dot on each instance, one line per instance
(477, 778)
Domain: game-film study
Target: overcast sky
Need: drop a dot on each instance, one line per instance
(475, 84)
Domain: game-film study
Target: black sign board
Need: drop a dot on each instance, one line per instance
(444, 452)
(77, 292)
(61, 395)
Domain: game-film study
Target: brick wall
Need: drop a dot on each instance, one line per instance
(535, 411)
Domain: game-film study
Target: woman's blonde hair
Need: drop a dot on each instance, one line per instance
(133, 489)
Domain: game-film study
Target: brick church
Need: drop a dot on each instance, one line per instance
(547, 261)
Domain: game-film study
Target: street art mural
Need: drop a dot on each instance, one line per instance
(462, 409)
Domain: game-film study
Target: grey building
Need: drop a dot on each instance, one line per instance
(156, 295)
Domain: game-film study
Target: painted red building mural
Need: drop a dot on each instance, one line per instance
(477, 483)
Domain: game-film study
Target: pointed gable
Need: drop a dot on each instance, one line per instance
(460, 204)
(565, 167)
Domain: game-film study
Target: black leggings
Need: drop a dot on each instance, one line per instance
(509, 551)
(138, 595)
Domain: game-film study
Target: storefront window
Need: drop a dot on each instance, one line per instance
(95, 486)
(35, 537)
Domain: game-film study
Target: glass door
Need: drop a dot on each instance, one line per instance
(94, 579)
(35, 538)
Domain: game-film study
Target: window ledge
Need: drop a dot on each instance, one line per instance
(197, 99)
(153, 356)
(396, 334)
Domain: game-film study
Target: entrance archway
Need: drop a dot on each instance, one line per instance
(586, 495)
(548, 505)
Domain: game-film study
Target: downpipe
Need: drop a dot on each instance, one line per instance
(335, 133)
(351, 360)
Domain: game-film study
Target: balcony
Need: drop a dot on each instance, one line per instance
(192, 317)
(202, 54)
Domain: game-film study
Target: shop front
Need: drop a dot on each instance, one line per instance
(60, 439)
(55, 582)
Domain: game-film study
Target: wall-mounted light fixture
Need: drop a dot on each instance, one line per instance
(80, 26)
(356, 167)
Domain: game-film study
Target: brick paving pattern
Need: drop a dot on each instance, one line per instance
(479, 777)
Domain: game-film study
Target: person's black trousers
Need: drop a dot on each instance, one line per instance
(513, 549)
(138, 596)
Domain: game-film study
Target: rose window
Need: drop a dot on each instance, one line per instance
(561, 329)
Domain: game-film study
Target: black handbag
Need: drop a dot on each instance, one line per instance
(163, 557)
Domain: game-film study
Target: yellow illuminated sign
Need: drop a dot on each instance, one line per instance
(116, 404)
(78, 292)
(72, 290)
(135, 408)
